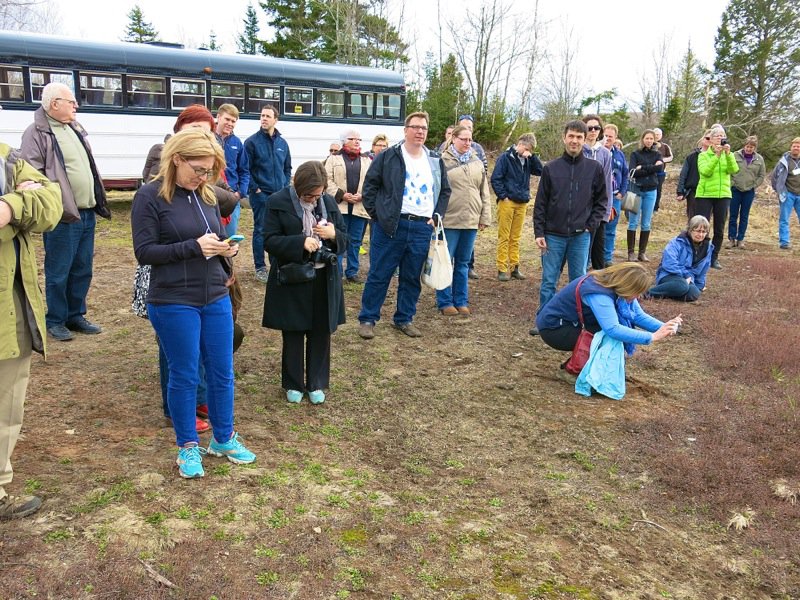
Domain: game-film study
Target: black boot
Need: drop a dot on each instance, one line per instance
(631, 246)
(643, 246)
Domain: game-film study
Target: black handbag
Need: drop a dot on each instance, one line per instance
(292, 273)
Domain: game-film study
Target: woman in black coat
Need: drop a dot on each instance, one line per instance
(303, 234)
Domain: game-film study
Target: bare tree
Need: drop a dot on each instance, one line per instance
(29, 15)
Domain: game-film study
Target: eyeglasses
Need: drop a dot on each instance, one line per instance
(464, 139)
(73, 102)
(594, 128)
(700, 229)
(310, 197)
(417, 127)
(199, 171)
(380, 144)
(353, 139)
(708, 139)
(333, 151)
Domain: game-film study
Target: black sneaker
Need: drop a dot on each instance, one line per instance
(81, 325)
(472, 274)
(715, 264)
(16, 507)
(60, 333)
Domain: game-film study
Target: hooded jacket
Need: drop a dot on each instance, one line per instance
(511, 178)
(470, 203)
(715, 174)
(780, 174)
(680, 257)
(32, 211)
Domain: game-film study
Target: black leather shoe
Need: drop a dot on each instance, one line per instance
(715, 264)
(81, 325)
(60, 333)
(471, 274)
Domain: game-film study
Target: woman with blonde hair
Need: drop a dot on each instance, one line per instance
(176, 227)
(609, 303)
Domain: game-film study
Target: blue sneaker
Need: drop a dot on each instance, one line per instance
(190, 461)
(294, 396)
(316, 397)
(233, 450)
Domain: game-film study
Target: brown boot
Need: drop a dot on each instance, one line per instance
(631, 246)
(643, 246)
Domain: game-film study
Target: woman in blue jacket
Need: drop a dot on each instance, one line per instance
(685, 263)
(609, 303)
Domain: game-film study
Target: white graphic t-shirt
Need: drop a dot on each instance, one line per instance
(418, 190)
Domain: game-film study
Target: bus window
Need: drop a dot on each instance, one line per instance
(101, 89)
(11, 88)
(330, 104)
(297, 101)
(146, 92)
(187, 91)
(223, 92)
(259, 95)
(41, 77)
(388, 106)
(360, 105)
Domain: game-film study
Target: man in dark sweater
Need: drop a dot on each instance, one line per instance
(570, 203)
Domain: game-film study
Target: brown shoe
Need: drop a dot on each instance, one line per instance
(366, 330)
(463, 310)
(643, 257)
(450, 311)
(515, 274)
(409, 329)
(740, 244)
(16, 507)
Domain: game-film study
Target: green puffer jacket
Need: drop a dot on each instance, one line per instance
(32, 211)
(715, 174)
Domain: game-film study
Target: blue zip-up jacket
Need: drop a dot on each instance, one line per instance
(680, 257)
(619, 171)
(384, 184)
(270, 163)
(511, 178)
(237, 165)
(571, 198)
(780, 174)
(600, 312)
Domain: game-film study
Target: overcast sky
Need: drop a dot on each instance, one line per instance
(615, 40)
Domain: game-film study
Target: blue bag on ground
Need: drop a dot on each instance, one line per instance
(605, 370)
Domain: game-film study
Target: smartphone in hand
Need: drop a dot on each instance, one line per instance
(234, 239)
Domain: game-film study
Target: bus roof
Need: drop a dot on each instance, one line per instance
(128, 57)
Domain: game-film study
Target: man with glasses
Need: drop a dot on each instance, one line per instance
(346, 171)
(56, 145)
(270, 171)
(404, 187)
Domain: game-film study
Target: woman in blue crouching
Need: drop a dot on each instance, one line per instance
(609, 304)
(685, 263)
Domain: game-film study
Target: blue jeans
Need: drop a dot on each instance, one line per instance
(460, 244)
(740, 211)
(408, 249)
(187, 334)
(258, 202)
(611, 233)
(230, 228)
(645, 211)
(677, 288)
(574, 249)
(69, 251)
(163, 377)
(792, 202)
(355, 227)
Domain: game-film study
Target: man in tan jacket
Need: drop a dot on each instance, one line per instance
(346, 171)
(29, 203)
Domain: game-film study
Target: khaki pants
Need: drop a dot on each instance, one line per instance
(14, 374)
(510, 216)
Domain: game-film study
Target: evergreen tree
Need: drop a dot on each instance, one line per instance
(212, 42)
(139, 30)
(672, 118)
(247, 42)
(444, 99)
(298, 28)
(757, 72)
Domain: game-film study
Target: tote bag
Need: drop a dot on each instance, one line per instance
(632, 201)
(437, 272)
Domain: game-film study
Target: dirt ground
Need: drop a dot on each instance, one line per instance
(455, 465)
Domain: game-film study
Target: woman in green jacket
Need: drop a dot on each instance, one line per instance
(713, 196)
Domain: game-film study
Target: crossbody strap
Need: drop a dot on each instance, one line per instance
(578, 300)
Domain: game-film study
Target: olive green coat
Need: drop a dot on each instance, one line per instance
(33, 211)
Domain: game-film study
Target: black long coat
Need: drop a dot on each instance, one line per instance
(289, 307)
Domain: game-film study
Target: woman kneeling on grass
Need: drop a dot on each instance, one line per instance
(685, 263)
(609, 304)
(177, 229)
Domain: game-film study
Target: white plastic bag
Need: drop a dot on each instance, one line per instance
(437, 272)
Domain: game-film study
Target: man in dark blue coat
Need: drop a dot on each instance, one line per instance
(270, 171)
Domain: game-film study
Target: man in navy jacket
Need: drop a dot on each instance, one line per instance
(237, 167)
(270, 171)
(404, 187)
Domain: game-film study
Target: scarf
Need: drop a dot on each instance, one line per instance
(309, 220)
(351, 154)
(748, 158)
(625, 314)
(462, 158)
